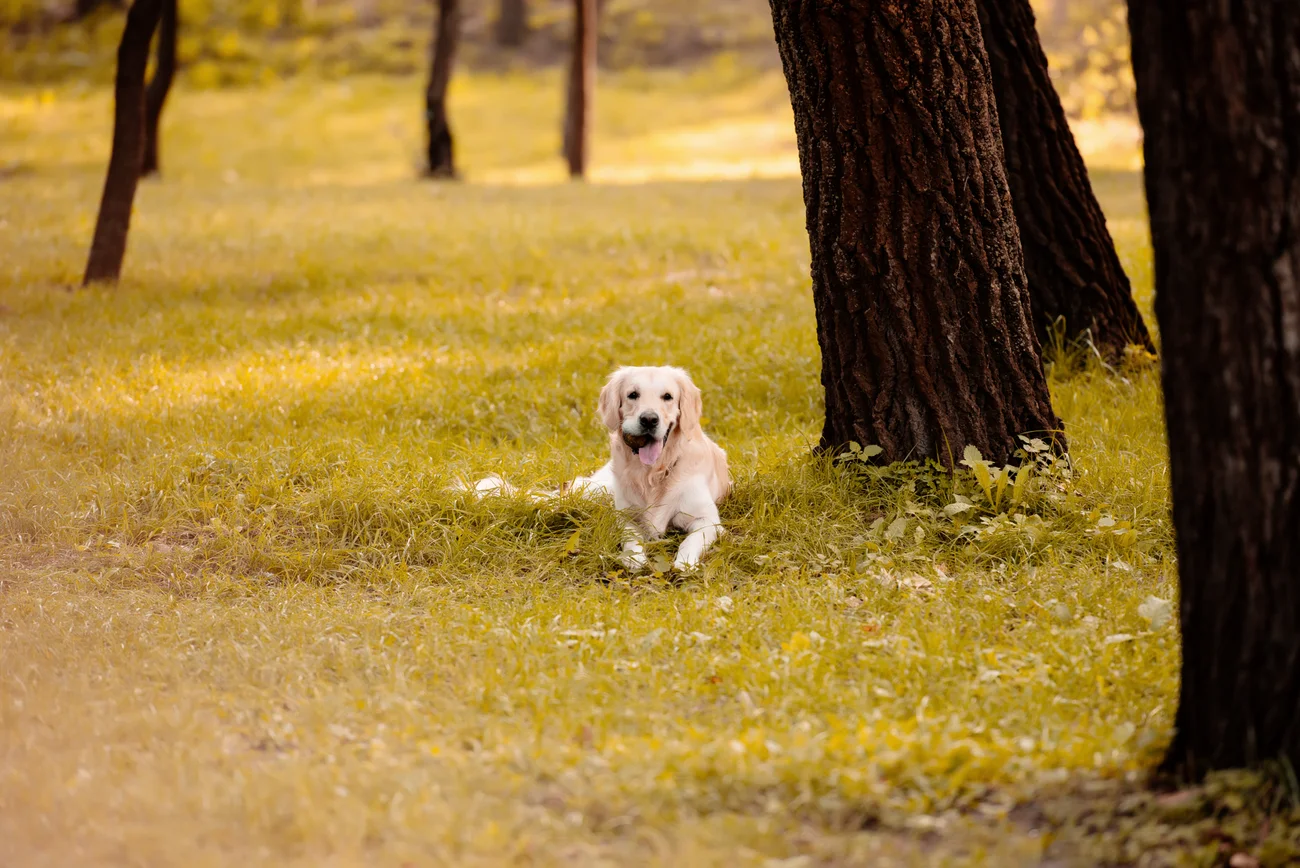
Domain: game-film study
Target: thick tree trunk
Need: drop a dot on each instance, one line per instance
(441, 162)
(159, 86)
(512, 26)
(580, 88)
(108, 248)
(1074, 273)
(1218, 92)
(918, 281)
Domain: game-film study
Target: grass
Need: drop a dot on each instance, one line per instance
(242, 619)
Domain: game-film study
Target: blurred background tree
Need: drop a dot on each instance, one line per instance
(237, 42)
(440, 159)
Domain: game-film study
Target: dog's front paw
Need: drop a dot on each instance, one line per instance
(688, 556)
(633, 558)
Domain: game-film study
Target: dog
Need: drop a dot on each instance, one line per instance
(663, 469)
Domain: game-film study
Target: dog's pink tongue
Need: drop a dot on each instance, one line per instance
(649, 453)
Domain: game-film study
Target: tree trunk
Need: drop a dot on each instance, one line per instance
(1218, 94)
(918, 280)
(108, 248)
(512, 26)
(581, 86)
(159, 86)
(1074, 273)
(441, 163)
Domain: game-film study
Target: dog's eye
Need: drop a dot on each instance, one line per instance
(632, 396)
(667, 397)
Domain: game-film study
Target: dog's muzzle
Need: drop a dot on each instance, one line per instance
(640, 434)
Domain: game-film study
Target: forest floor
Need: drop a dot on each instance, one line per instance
(242, 619)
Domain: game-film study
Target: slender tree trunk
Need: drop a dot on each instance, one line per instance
(159, 86)
(108, 248)
(441, 162)
(918, 280)
(1075, 276)
(512, 26)
(1218, 93)
(580, 88)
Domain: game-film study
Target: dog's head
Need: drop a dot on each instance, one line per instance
(646, 405)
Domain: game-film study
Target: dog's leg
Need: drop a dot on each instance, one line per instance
(640, 523)
(633, 558)
(702, 533)
(600, 482)
(699, 518)
(649, 524)
(491, 484)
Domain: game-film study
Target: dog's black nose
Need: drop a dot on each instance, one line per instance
(649, 420)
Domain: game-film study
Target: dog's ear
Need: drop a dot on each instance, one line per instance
(611, 398)
(692, 404)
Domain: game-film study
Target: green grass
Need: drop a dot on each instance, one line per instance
(242, 619)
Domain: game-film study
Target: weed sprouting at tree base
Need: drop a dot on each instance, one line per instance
(1025, 513)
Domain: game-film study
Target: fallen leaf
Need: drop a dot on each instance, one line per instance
(896, 528)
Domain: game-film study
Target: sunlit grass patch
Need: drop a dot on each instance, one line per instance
(244, 618)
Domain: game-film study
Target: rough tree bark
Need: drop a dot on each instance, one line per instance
(580, 88)
(160, 85)
(108, 248)
(1075, 276)
(446, 34)
(918, 281)
(1218, 92)
(512, 26)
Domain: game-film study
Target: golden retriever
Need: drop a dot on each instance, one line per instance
(663, 469)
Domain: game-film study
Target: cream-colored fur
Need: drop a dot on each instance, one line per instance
(684, 485)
